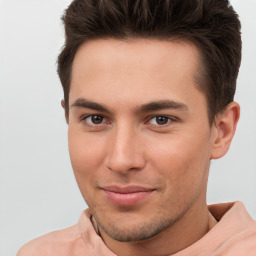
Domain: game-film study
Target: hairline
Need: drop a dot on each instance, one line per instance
(200, 76)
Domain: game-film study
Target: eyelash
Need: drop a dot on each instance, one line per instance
(168, 119)
(84, 119)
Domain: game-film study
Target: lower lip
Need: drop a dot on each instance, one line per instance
(128, 199)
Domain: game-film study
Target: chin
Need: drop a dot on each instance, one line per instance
(133, 229)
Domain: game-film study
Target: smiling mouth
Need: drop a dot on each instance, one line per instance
(126, 196)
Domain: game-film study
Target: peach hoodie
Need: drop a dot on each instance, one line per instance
(233, 235)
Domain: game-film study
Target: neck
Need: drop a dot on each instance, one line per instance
(183, 233)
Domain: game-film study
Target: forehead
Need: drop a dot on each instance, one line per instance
(136, 55)
(135, 70)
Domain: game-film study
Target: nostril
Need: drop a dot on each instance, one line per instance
(122, 166)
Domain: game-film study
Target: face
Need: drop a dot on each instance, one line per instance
(139, 135)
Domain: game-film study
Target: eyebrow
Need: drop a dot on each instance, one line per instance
(161, 105)
(148, 107)
(84, 103)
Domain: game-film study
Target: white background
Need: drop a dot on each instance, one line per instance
(38, 192)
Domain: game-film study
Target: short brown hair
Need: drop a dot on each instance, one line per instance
(212, 25)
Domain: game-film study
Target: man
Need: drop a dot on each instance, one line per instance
(148, 97)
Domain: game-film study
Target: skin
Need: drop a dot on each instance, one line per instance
(137, 118)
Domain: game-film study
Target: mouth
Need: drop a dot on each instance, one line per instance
(126, 196)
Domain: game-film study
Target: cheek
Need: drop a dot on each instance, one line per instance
(86, 154)
(183, 161)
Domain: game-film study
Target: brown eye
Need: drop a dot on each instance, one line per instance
(97, 119)
(94, 119)
(160, 120)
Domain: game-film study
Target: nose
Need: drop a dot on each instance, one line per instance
(125, 150)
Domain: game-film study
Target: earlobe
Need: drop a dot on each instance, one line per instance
(225, 127)
(64, 107)
(63, 103)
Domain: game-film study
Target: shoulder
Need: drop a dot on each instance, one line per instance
(243, 243)
(63, 242)
(238, 228)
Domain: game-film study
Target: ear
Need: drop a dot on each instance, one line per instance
(64, 107)
(224, 129)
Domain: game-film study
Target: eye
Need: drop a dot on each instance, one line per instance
(94, 119)
(160, 120)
